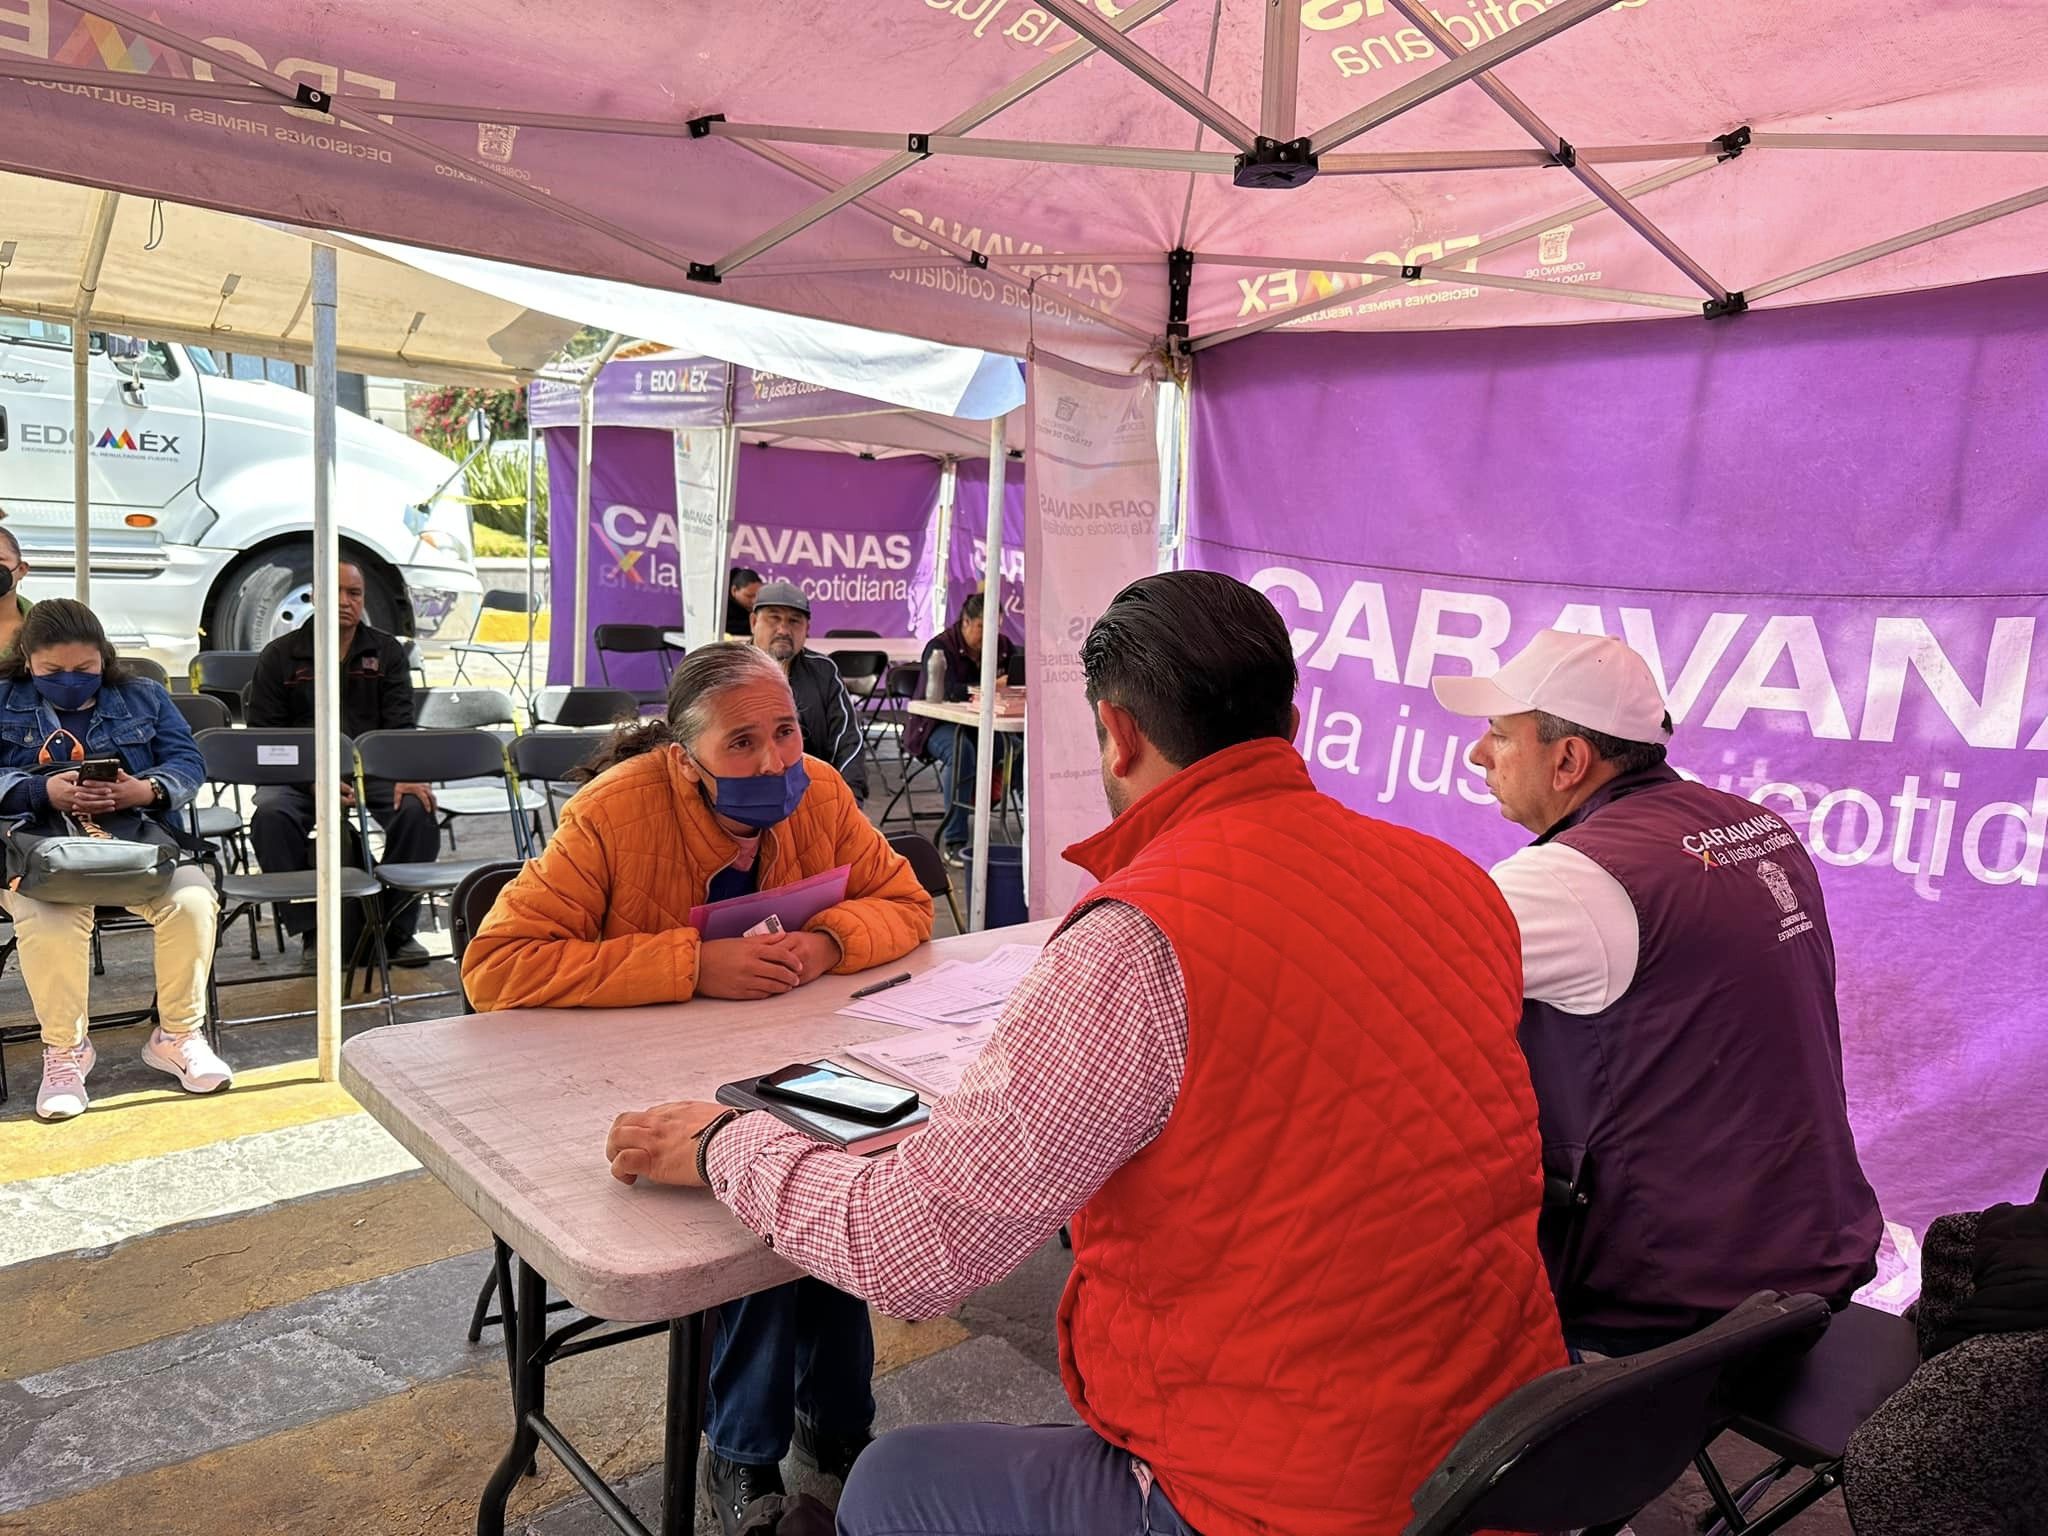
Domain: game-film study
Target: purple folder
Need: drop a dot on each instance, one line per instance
(795, 905)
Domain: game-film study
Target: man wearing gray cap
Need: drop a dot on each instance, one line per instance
(781, 623)
(1679, 1015)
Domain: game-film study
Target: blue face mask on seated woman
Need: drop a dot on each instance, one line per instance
(757, 800)
(68, 690)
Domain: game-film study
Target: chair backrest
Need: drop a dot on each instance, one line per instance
(202, 712)
(1592, 1444)
(860, 665)
(259, 756)
(142, 666)
(925, 861)
(511, 600)
(430, 756)
(853, 634)
(551, 756)
(462, 708)
(223, 672)
(585, 706)
(470, 903)
(630, 639)
(903, 679)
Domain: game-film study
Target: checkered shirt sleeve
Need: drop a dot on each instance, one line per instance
(1079, 1075)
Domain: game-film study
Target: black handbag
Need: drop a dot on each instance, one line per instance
(123, 860)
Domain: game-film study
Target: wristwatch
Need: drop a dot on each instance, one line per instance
(161, 799)
(704, 1144)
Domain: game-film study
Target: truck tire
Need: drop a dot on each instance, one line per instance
(271, 594)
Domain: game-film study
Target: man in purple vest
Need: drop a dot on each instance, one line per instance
(1679, 1014)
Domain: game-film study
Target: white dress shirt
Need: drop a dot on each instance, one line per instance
(1580, 939)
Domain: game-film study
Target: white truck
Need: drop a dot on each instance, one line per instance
(201, 490)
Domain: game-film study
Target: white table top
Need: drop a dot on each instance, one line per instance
(964, 714)
(510, 1111)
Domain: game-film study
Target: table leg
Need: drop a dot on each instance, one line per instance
(685, 1425)
(529, 1399)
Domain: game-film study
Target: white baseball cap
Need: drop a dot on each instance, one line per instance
(1591, 680)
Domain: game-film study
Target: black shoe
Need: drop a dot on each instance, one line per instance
(411, 954)
(733, 1485)
(833, 1455)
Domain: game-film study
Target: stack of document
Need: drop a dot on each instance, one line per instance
(951, 996)
(931, 1061)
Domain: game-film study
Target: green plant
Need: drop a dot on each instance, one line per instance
(440, 417)
(495, 485)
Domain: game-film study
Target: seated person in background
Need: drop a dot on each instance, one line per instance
(716, 801)
(376, 695)
(952, 746)
(13, 569)
(831, 727)
(1680, 1022)
(1268, 1071)
(740, 588)
(65, 698)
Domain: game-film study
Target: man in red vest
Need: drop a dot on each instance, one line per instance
(1267, 1070)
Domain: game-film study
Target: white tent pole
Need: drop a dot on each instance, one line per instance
(1554, 143)
(719, 576)
(991, 643)
(1282, 56)
(1051, 69)
(1938, 143)
(81, 395)
(1485, 247)
(940, 613)
(1897, 243)
(1082, 16)
(586, 415)
(532, 608)
(1518, 40)
(327, 764)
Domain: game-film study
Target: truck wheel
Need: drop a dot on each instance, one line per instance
(272, 594)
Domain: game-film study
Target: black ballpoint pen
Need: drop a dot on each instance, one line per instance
(883, 986)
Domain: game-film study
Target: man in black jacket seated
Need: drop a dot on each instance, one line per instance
(781, 623)
(376, 695)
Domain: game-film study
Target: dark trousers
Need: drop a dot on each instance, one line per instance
(1001, 1480)
(800, 1348)
(281, 831)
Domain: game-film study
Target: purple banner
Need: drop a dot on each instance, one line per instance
(637, 392)
(847, 530)
(635, 558)
(1823, 529)
(967, 559)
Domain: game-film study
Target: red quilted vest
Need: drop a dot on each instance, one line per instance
(1324, 1269)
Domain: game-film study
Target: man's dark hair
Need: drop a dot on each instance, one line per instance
(1627, 756)
(61, 621)
(742, 576)
(974, 607)
(1201, 661)
(13, 544)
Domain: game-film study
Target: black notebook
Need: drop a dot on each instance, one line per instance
(856, 1136)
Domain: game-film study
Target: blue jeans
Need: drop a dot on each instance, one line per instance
(952, 748)
(800, 1348)
(1001, 1480)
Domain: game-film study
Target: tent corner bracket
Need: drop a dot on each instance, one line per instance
(703, 272)
(1276, 165)
(1180, 282)
(1565, 155)
(978, 259)
(1733, 142)
(1722, 309)
(313, 99)
(700, 127)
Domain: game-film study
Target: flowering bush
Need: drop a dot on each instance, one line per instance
(440, 417)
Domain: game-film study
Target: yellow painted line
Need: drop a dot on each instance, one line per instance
(130, 1127)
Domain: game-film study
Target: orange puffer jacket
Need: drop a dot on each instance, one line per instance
(601, 918)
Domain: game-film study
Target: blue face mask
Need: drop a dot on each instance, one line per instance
(68, 690)
(758, 800)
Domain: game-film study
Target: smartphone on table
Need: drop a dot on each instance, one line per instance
(99, 770)
(838, 1093)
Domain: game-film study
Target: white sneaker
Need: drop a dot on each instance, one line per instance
(63, 1094)
(189, 1059)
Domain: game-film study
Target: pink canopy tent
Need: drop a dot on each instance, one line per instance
(1085, 175)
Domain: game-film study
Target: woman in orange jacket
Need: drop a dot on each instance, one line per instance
(717, 800)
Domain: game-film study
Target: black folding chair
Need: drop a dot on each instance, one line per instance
(890, 714)
(254, 758)
(580, 708)
(547, 759)
(634, 640)
(434, 757)
(1588, 1446)
(861, 671)
(224, 675)
(479, 709)
(142, 666)
(510, 657)
(930, 868)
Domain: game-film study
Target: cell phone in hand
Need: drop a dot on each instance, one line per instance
(816, 1086)
(99, 770)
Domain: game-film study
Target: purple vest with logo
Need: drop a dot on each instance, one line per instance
(1703, 1111)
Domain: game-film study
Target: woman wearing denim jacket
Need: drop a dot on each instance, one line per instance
(64, 697)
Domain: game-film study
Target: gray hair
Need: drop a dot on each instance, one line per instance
(13, 544)
(1627, 756)
(708, 672)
